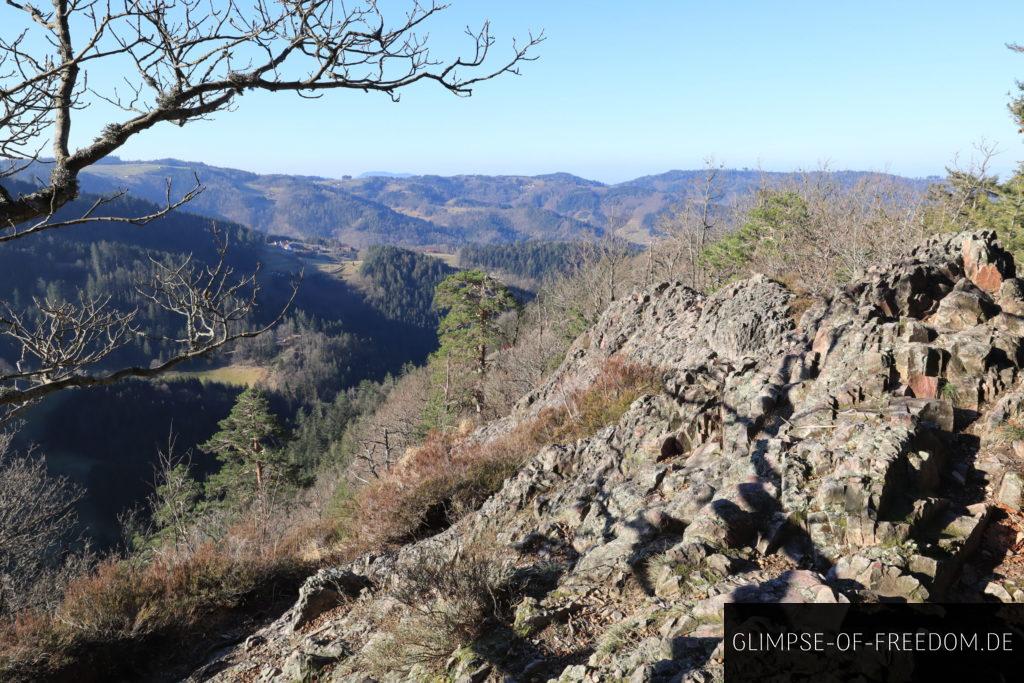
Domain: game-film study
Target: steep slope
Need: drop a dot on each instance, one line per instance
(106, 438)
(859, 454)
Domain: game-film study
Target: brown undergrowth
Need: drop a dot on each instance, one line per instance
(119, 617)
(451, 473)
(122, 616)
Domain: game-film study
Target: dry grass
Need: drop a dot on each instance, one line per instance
(1013, 430)
(450, 474)
(178, 594)
(122, 599)
(175, 593)
(234, 375)
(450, 600)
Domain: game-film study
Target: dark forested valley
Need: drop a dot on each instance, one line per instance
(334, 336)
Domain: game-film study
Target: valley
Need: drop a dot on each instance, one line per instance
(334, 338)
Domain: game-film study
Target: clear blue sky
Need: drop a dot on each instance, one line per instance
(624, 89)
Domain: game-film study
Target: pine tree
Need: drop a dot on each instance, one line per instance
(776, 217)
(1016, 104)
(974, 199)
(250, 464)
(471, 302)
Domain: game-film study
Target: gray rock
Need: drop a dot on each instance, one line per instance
(324, 591)
(997, 591)
(864, 575)
(962, 309)
(300, 666)
(1010, 490)
(772, 444)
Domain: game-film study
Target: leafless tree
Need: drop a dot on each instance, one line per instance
(602, 272)
(608, 256)
(378, 440)
(63, 339)
(690, 228)
(175, 494)
(954, 201)
(37, 515)
(538, 345)
(834, 231)
(183, 61)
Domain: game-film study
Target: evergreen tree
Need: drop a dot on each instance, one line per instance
(535, 260)
(1016, 105)
(175, 501)
(245, 445)
(400, 283)
(775, 217)
(471, 302)
(975, 199)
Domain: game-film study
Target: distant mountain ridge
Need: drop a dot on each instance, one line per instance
(384, 174)
(429, 210)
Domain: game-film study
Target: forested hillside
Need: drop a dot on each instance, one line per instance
(106, 439)
(535, 261)
(400, 283)
(286, 205)
(419, 211)
(110, 259)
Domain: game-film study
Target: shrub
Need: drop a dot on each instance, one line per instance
(179, 593)
(602, 403)
(450, 473)
(451, 600)
(124, 598)
(1013, 430)
(37, 522)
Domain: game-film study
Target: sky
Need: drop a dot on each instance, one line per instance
(629, 89)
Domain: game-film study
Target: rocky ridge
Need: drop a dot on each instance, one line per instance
(868, 451)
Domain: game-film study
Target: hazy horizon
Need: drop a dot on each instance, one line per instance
(402, 174)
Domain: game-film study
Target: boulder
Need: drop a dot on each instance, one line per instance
(324, 591)
(923, 386)
(865, 575)
(1011, 297)
(742, 320)
(301, 666)
(986, 264)
(1011, 490)
(961, 309)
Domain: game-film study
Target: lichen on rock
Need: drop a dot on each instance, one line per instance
(854, 456)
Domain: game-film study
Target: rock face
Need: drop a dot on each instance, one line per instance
(854, 455)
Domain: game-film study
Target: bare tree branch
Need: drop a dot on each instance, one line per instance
(62, 341)
(192, 58)
(90, 215)
(181, 61)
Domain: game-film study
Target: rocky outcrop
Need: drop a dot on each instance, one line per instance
(866, 452)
